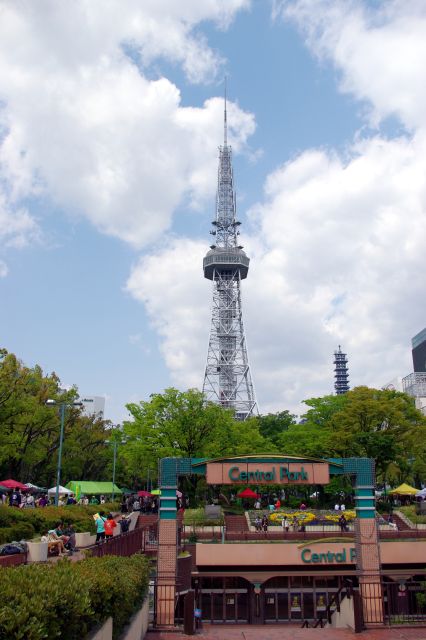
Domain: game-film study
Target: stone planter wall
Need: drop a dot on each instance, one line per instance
(135, 630)
(84, 540)
(37, 551)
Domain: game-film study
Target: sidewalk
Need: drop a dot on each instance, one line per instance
(290, 632)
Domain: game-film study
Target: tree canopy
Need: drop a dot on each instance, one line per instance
(29, 429)
(379, 424)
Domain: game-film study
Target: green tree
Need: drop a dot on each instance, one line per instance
(273, 425)
(29, 429)
(379, 424)
(176, 424)
(183, 424)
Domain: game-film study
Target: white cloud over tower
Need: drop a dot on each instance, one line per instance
(337, 242)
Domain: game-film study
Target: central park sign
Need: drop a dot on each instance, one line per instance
(267, 473)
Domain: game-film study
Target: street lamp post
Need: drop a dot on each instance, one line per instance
(62, 407)
(114, 460)
(115, 442)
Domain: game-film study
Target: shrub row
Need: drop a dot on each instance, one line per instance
(67, 600)
(19, 524)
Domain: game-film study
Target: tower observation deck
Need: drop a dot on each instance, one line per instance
(227, 378)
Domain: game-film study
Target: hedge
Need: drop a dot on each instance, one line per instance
(67, 600)
(19, 524)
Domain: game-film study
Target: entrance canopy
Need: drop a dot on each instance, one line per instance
(267, 469)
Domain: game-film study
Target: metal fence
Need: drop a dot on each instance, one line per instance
(394, 603)
(126, 544)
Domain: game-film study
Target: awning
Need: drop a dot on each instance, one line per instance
(63, 491)
(404, 490)
(91, 488)
(247, 493)
(13, 484)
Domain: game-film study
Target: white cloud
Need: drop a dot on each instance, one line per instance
(380, 51)
(17, 226)
(4, 269)
(337, 243)
(83, 125)
(170, 283)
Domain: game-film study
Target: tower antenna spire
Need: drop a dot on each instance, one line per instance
(225, 119)
(227, 378)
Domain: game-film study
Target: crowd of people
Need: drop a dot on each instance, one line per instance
(27, 500)
(144, 504)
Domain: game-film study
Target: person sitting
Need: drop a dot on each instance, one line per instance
(55, 545)
(59, 530)
(110, 525)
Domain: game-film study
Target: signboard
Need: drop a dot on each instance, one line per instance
(267, 473)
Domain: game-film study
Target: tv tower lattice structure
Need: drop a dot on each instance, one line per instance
(227, 379)
(341, 384)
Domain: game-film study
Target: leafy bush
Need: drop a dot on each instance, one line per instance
(20, 531)
(17, 524)
(66, 600)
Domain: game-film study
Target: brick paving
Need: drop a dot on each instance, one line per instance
(290, 632)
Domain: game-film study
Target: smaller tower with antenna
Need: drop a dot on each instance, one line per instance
(341, 383)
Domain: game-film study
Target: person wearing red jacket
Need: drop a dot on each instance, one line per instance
(110, 525)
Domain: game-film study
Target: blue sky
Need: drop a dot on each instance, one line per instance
(110, 121)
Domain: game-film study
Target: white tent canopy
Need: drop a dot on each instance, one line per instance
(63, 491)
(421, 494)
(34, 486)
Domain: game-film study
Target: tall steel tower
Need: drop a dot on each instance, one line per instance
(341, 384)
(227, 380)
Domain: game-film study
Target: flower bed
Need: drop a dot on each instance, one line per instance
(320, 518)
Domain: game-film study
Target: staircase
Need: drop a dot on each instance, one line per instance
(400, 523)
(147, 520)
(236, 524)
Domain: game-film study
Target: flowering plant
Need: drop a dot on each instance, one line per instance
(304, 517)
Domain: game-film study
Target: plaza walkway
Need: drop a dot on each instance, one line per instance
(290, 632)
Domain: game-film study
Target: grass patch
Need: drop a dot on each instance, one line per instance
(197, 518)
(410, 513)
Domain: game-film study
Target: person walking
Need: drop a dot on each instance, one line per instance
(110, 525)
(100, 526)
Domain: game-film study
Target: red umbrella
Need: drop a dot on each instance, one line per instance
(144, 494)
(247, 493)
(14, 484)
